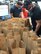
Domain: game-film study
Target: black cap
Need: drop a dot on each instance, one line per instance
(19, 3)
(26, 3)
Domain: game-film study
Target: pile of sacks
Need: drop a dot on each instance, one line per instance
(15, 39)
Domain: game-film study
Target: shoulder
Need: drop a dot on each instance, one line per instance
(13, 7)
(27, 11)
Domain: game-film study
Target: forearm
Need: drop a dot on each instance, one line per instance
(11, 14)
(21, 15)
(37, 27)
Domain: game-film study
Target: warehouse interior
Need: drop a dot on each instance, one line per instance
(20, 26)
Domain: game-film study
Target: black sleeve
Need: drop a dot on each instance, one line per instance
(38, 14)
(35, 13)
(11, 10)
(21, 10)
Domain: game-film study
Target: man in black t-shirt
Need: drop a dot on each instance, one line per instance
(35, 14)
(16, 9)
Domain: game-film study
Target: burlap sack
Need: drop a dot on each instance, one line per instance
(39, 40)
(31, 44)
(10, 40)
(3, 52)
(4, 30)
(3, 42)
(19, 51)
(10, 26)
(33, 35)
(17, 38)
(21, 44)
(25, 37)
(9, 33)
(34, 52)
(39, 50)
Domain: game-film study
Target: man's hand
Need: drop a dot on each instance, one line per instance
(11, 14)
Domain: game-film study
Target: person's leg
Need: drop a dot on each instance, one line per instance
(39, 32)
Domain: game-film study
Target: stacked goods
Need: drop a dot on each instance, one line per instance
(30, 40)
(39, 45)
(18, 37)
(39, 42)
(19, 51)
(25, 37)
(13, 23)
(10, 26)
(4, 28)
(10, 40)
(3, 52)
(13, 41)
(0, 27)
(33, 35)
(9, 33)
(3, 44)
(21, 44)
(33, 40)
(17, 21)
(34, 52)
(16, 31)
(4, 31)
(39, 50)
(29, 36)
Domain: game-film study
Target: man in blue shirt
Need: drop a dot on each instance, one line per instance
(16, 9)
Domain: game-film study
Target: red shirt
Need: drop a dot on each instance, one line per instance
(25, 13)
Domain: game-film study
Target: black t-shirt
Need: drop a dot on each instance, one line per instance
(16, 11)
(35, 15)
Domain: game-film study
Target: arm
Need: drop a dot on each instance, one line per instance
(21, 15)
(37, 26)
(11, 12)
